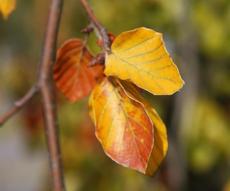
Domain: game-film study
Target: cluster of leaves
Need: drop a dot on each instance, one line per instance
(129, 129)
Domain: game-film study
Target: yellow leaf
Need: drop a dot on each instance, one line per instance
(130, 131)
(6, 7)
(160, 147)
(140, 56)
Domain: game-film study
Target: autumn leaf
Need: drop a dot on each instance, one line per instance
(6, 7)
(125, 128)
(73, 77)
(160, 147)
(140, 56)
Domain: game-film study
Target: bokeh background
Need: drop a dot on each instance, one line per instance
(197, 34)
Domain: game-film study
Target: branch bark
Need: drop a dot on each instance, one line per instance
(48, 94)
(18, 105)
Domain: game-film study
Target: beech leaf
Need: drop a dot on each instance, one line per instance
(126, 127)
(140, 56)
(6, 7)
(73, 77)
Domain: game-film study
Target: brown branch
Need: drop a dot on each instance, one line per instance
(100, 30)
(44, 85)
(47, 91)
(18, 105)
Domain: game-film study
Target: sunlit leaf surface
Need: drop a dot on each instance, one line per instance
(140, 56)
(125, 128)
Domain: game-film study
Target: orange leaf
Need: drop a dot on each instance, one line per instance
(6, 7)
(142, 58)
(73, 77)
(160, 147)
(123, 126)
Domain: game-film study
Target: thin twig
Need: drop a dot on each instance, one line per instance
(102, 32)
(18, 105)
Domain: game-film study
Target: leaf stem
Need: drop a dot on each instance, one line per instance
(100, 30)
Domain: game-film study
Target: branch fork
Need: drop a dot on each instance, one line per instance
(44, 84)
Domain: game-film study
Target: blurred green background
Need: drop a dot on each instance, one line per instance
(197, 34)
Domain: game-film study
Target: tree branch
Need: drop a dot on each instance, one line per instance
(47, 91)
(19, 104)
(44, 85)
(100, 30)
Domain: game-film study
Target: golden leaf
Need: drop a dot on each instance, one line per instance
(160, 147)
(140, 56)
(6, 7)
(130, 132)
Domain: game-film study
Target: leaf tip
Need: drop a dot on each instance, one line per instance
(7, 7)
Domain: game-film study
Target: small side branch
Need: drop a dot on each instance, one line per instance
(18, 105)
(44, 85)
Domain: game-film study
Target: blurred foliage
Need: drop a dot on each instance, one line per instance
(208, 136)
(206, 131)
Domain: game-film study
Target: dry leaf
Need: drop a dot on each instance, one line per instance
(73, 77)
(125, 128)
(140, 56)
(6, 7)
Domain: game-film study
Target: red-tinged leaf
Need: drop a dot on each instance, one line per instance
(160, 147)
(73, 77)
(130, 131)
